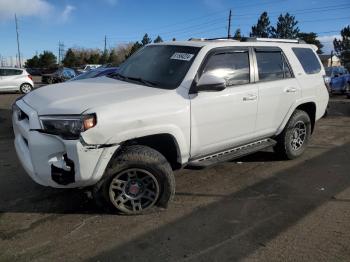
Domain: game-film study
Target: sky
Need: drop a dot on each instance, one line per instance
(85, 23)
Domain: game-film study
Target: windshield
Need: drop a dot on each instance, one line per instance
(162, 66)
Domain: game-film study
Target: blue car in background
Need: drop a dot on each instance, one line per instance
(338, 80)
(100, 71)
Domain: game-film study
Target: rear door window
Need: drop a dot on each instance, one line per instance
(307, 59)
(272, 65)
(11, 72)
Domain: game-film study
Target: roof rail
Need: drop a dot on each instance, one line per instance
(213, 39)
(279, 40)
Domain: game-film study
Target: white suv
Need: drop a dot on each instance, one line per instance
(175, 104)
(15, 79)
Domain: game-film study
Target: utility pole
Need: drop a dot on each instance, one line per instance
(105, 44)
(19, 53)
(229, 25)
(60, 52)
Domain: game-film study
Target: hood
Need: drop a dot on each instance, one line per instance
(75, 97)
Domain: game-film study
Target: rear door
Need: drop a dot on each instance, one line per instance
(278, 89)
(11, 78)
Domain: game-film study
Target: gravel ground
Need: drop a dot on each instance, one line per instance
(258, 208)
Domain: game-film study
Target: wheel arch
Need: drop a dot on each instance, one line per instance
(164, 143)
(308, 106)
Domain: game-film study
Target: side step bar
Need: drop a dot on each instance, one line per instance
(232, 153)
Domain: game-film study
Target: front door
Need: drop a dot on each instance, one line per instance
(221, 119)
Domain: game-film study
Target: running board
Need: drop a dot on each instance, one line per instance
(232, 153)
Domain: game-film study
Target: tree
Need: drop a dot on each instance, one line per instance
(311, 38)
(342, 46)
(94, 58)
(146, 40)
(158, 40)
(237, 34)
(32, 62)
(47, 60)
(104, 57)
(262, 28)
(286, 27)
(70, 60)
(136, 46)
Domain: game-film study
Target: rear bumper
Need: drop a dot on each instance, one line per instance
(51, 161)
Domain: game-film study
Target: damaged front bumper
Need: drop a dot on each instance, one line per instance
(52, 161)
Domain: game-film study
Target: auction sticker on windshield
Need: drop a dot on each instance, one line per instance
(182, 56)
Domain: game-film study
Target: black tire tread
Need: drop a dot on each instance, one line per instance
(139, 155)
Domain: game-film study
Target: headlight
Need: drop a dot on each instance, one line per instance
(67, 127)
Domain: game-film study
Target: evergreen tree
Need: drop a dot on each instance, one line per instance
(104, 58)
(311, 38)
(342, 46)
(262, 28)
(47, 59)
(94, 58)
(70, 60)
(136, 46)
(146, 40)
(158, 40)
(286, 27)
(32, 62)
(237, 34)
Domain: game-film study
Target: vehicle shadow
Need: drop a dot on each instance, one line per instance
(237, 225)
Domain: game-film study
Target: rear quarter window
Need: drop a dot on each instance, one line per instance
(307, 59)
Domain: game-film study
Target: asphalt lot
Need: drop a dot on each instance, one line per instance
(258, 208)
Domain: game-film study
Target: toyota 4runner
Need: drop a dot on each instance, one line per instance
(173, 104)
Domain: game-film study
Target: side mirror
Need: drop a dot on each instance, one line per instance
(209, 82)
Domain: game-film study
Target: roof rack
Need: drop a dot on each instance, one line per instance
(213, 39)
(279, 40)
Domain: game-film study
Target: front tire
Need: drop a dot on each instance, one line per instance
(138, 179)
(25, 88)
(293, 140)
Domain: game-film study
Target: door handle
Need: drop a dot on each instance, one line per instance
(249, 97)
(291, 90)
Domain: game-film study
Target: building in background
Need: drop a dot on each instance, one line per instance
(328, 60)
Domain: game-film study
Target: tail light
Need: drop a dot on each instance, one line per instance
(30, 77)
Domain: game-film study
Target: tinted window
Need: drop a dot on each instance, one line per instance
(164, 66)
(307, 59)
(272, 66)
(10, 72)
(232, 66)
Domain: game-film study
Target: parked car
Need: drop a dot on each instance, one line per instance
(338, 79)
(15, 79)
(89, 67)
(171, 104)
(61, 75)
(34, 71)
(101, 71)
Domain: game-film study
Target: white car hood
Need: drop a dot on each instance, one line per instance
(75, 97)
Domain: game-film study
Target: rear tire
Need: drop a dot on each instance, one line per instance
(293, 140)
(138, 179)
(25, 88)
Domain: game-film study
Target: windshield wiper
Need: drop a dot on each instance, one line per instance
(143, 81)
(135, 79)
(117, 76)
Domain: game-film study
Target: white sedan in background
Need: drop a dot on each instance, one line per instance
(15, 79)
